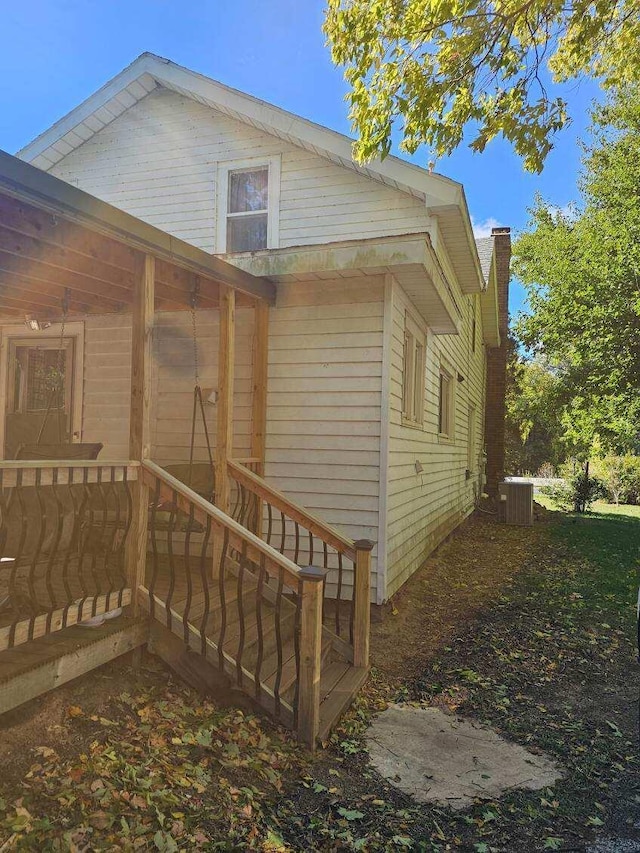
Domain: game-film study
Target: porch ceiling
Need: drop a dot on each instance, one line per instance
(57, 239)
(410, 258)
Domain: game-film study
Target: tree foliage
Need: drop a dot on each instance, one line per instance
(581, 269)
(534, 428)
(442, 65)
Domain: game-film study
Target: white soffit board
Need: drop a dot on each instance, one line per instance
(410, 259)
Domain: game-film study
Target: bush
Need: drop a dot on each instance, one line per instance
(621, 476)
(577, 493)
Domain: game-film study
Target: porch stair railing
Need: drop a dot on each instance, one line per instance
(308, 540)
(247, 607)
(275, 598)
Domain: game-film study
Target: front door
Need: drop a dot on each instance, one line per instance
(39, 402)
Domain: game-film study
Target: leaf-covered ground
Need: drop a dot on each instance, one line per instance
(531, 631)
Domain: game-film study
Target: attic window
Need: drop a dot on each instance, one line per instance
(248, 205)
(247, 210)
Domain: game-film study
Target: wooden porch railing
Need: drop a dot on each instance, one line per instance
(236, 600)
(306, 539)
(64, 528)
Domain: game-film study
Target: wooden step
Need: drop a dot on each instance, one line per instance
(339, 685)
(289, 671)
(223, 659)
(39, 666)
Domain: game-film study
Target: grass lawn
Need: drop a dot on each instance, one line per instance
(528, 630)
(598, 509)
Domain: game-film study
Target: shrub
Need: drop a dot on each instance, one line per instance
(621, 476)
(577, 493)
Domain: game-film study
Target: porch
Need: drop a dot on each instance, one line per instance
(253, 583)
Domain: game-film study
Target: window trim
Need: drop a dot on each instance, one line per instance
(444, 371)
(472, 439)
(273, 165)
(474, 324)
(414, 356)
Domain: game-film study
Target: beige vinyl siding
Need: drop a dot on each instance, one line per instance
(423, 508)
(158, 161)
(174, 381)
(324, 399)
(107, 383)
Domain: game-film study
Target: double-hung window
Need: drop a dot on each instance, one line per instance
(413, 373)
(247, 204)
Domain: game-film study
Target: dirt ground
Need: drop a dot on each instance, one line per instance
(45, 721)
(466, 572)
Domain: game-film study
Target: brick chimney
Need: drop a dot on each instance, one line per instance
(497, 366)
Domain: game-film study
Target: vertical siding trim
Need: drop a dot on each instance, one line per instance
(385, 415)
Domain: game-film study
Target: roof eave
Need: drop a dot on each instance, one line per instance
(31, 184)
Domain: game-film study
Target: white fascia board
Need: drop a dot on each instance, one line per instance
(87, 108)
(489, 309)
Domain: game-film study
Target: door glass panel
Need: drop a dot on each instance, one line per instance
(45, 383)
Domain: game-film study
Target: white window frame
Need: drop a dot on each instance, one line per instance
(449, 407)
(413, 373)
(273, 164)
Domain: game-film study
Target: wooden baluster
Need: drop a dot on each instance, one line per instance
(312, 579)
(362, 606)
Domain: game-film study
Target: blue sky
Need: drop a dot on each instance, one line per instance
(56, 53)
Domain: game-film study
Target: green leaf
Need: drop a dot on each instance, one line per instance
(348, 814)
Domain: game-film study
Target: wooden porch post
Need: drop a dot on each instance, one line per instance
(224, 430)
(310, 655)
(362, 608)
(259, 400)
(140, 419)
(260, 368)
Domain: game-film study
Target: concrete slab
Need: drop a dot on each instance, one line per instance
(614, 845)
(437, 757)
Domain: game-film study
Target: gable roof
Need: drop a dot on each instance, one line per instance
(443, 198)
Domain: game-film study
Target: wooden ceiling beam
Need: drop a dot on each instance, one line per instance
(25, 305)
(29, 251)
(31, 221)
(51, 279)
(183, 283)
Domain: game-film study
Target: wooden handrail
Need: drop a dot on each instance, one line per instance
(239, 536)
(65, 470)
(311, 522)
(67, 463)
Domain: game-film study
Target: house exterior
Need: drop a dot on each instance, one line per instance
(385, 342)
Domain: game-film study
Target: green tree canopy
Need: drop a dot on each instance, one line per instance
(439, 66)
(581, 269)
(534, 428)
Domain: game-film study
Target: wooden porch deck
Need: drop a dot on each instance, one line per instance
(229, 596)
